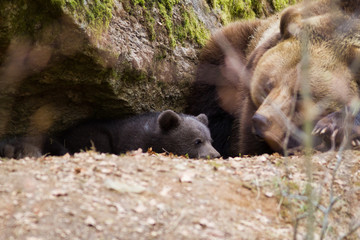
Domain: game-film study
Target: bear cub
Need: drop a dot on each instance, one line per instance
(166, 131)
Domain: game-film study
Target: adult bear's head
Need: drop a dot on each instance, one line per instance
(316, 57)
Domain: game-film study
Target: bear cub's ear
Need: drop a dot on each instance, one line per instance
(168, 120)
(203, 118)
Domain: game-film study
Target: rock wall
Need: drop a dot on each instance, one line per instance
(62, 61)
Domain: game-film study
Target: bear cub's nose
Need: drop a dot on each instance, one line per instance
(260, 125)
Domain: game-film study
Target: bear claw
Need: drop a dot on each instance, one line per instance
(355, 143)
(331, 129)
(335, 132)
(323, 130)
(315, 131)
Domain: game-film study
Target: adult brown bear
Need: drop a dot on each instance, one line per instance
(254, 76)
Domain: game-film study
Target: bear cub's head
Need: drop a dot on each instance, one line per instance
(185, 135)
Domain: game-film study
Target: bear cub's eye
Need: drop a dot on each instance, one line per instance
(198, 141)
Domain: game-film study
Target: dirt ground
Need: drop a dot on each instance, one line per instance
(153, 196)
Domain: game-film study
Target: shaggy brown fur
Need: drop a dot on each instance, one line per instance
(253, 75)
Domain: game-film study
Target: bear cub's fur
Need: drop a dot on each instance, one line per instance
(166, 131)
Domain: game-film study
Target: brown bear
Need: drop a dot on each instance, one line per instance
(165, 131)
(259, 81)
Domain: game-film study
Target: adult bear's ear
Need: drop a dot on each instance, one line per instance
(168, 120)
(290, 23)
(203, 118)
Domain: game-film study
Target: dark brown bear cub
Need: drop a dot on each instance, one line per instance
(163, 132)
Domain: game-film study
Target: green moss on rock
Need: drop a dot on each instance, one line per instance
(230, 10)
(281, 4)
(166, 13)
(189, 27)
(142, 91)
(139, 2)
(27, 19)
(95, 13)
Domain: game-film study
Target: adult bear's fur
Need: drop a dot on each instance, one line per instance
(216, 80)
(250, 80)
